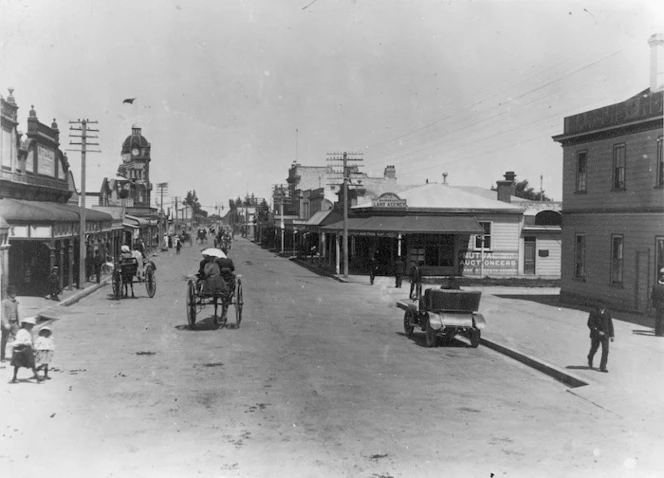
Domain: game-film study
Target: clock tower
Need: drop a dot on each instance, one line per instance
(136, 166)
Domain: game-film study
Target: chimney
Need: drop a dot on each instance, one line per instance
(390, 172)
(506, 187)
(656, 43)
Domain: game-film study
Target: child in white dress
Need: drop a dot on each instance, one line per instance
(44, 349)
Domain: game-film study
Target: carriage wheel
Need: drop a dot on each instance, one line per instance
(150, 281)
(216, 318)
(408, 323)
(191, 304)
(117, 285)
(430, 335)
(474, 335)
(239, 302)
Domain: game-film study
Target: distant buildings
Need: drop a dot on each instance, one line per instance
(451, 230)
(613, 197)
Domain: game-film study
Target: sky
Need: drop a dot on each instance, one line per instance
(231, 92)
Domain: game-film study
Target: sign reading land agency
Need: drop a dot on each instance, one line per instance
(389, 200)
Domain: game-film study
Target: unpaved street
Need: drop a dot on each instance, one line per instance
(318, 381)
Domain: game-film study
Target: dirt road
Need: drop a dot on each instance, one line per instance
(318, 381)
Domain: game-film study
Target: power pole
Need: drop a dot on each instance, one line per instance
(345, 157)
(161, 187)
(280, 195)
(82, 273)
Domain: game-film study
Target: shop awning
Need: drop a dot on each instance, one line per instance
(21, 211)
(410, 225)
(317, 218)
(135, 222)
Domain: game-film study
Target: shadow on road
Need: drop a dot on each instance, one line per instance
(578, 367)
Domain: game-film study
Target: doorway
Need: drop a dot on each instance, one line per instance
(529, 247)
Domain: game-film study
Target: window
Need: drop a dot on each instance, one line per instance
(487, 236)
(580, 257)
(660, 163)
(619, 166)
(617, 259)
(581, 171)
(659, 249)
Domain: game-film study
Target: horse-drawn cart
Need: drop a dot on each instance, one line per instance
(442, 313)
(198, 298)
(124, 276)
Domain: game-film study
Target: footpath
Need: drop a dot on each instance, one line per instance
(530, 325)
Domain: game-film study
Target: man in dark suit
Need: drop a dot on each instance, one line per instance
(601, 332)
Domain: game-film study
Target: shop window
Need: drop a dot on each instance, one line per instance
(659, 250)
(617, 259)
(581, 171)
(660, 163)
(580, 257)
(487, 236)
(619, 166)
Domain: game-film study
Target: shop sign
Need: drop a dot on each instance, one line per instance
(41, 232)
(390, 200)
(496, 262)
(45, 161)
(18, 231)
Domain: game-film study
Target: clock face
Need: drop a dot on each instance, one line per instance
(135, 151)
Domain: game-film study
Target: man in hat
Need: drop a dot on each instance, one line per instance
(24, 354)
(601, 332)
(9, 319)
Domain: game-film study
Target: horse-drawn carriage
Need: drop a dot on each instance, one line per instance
(125, 275)
(201, 236)
(442, 313)
(220, 288)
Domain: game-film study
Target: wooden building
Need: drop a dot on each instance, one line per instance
(613, 198)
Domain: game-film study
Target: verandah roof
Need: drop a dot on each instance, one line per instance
(410, 225)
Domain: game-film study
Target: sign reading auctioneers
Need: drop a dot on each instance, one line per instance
(389, 200)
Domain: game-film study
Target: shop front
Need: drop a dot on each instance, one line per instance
(46, 234)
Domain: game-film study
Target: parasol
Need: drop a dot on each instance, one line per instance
(214, 252)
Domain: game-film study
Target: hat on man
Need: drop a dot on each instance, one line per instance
(29, 320)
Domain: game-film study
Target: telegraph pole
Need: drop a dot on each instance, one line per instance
(280, 194)
(345, 158)
(82, 273)
(162, 187)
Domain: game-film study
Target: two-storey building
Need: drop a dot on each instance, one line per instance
(613, 197)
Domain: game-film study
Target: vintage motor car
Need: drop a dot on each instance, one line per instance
(442, 313)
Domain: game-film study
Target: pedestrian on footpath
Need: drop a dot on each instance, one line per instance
(399, 271)
(415, 283)
(601, 332)
(54, 284)
(178, 245)
(24, 353)
(89, 265)
(373, 267)
(9, 320)
(99, 261)
(44, 347)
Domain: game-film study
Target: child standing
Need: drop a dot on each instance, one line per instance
(44, 348)
(54, 283)
(24, 354)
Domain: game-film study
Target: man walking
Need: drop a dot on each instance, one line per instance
(99, 261)
(399, 271)
(601, 332)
